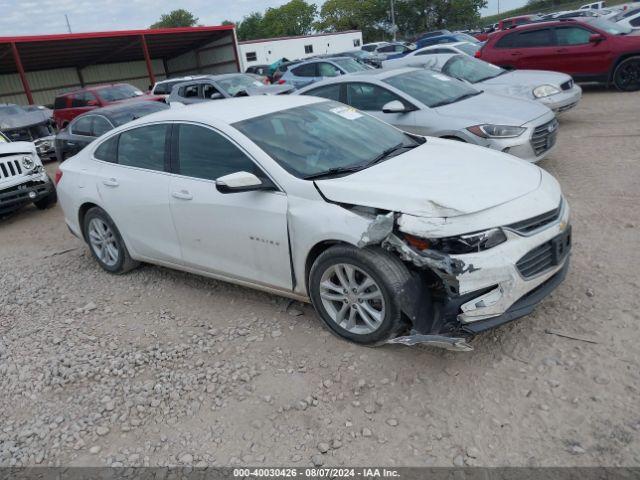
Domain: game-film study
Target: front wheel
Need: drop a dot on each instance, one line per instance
(627, 75)
(355, 292)
(105, 242)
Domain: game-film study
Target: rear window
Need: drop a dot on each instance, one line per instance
(165, 87)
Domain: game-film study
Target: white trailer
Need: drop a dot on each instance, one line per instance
(267, 51)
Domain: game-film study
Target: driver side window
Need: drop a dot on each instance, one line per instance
(209, 90)
(328, 70)
(368, 97)
(205, 154)
(572, 36)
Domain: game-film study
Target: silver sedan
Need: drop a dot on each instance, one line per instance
(430, 103)
(556, 90)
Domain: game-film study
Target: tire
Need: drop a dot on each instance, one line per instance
(99, 229)
(388, 274)
(626, 76)
(47, 201)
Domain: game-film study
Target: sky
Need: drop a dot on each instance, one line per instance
(34, 17)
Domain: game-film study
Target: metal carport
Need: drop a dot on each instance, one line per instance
(35, 69)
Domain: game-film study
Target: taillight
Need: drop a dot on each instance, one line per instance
(281, 82)
(477, 54)
(58, 177)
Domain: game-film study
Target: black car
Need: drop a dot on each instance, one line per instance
(89, 126)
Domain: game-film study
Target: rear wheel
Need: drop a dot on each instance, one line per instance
(627, 75)
(105, 242)
(355, 293)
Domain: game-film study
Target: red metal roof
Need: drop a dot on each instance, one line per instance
(45, 52)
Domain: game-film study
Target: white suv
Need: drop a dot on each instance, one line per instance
(392, 236)
(22, 177)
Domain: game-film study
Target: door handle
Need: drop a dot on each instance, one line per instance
(516, 54)
(110, 182)
(562, 50)
(182, 195)
(71, 144)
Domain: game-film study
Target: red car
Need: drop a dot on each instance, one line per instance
(589, 49)
(69, 105)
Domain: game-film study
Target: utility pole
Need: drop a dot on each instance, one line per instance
(393, 21)
(66, 17)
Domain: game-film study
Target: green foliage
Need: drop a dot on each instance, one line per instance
(373, 17)
(295, 17)
(370, 16)
(176, 18)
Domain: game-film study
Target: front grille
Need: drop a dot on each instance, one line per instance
(10, 168)
(568, 85)
(532, 224)
(545, 256)
(544, 137)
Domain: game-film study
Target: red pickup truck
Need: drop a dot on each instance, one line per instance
(71, 104)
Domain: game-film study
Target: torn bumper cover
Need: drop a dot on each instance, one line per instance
(482, 290)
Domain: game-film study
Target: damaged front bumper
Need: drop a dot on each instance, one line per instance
(33, 190)
(485, 289)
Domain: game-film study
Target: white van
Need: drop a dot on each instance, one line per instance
(593, 6)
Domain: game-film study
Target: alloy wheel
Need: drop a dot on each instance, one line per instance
(103, 242)
(352, 298)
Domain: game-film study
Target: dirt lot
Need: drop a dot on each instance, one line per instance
(161, 368)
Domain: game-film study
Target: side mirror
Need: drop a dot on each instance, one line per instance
(596, 38)
(396, 106)
(92, 103)
(216, 96)
(241, 182)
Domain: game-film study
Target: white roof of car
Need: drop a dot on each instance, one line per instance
(231, 110)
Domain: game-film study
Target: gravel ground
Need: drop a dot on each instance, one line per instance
(165, 368)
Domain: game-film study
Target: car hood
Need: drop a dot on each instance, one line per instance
(269, 90)
(524, 81)
(490, 107)
(441, 178)
(10, 148)
(22, 119)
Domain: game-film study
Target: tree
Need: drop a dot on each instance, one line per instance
(176, 18)
(227, 22)
(295, 17)
(250, 28)
(370, 16)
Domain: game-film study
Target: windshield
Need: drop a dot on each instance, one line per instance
(349, 65)
(431, 88)
(316, 138)
(609, 27)
(469, 48)
(118, 92)
(238, 83)
(470, 69)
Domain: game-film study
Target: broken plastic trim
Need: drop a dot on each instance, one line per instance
(448, 343)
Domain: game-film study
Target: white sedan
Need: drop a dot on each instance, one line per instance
(392, 236)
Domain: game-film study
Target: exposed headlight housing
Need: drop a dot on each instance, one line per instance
(28, 162)
(497, 131)
(545, 91)
(471, 243)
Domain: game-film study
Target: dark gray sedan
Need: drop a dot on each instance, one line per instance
(85, 128)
